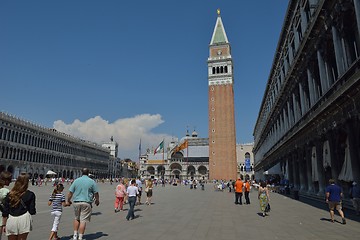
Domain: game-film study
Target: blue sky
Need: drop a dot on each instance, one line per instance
(131, 69)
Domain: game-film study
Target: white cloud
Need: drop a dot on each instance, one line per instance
(127, 132)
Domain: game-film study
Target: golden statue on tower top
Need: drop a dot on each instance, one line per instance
(218, 11)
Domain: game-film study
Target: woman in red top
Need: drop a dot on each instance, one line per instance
(120, 193)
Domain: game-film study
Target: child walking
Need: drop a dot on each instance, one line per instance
(57, 201)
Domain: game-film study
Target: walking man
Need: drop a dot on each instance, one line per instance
(238, 191)
(83, 191)
(333, 198)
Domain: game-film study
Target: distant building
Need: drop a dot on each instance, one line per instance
(115, 166)
(27, 147)
(190, 162)
(245, 160)
(113, 146)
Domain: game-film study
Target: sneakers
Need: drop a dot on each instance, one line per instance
(343, 221)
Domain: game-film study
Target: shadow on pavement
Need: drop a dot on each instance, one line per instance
(349, 213)
(90, 236)
(96, 213)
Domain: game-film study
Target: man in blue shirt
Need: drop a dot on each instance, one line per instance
(83, 191)
(333, 198)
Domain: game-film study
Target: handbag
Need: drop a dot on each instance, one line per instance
(267, 208)
(146, 189)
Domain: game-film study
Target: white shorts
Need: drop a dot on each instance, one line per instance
(19, 225)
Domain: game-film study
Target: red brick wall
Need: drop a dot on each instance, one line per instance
(222, 134)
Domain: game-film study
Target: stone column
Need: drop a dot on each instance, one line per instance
(302, 100)
(286, 121)
(357, 13)
(311, 88)
(291, 54)
(333, 145)
(310, 183)
(339, 56)
(296, 170)
(319, 156)
(302, 170)
(352, 129)
(296, 39)
(304, 21)
(322, 72)
(296, 114)
(290, 169)
(291, 122)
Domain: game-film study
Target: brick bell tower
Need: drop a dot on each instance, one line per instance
(222, 134)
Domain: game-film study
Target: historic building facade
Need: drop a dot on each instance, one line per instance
(222, 134)
(27, 147)
(188, 162)
(245, 161)
(309, 123)
(189, 159)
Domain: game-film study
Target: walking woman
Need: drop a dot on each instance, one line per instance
(120, 193)
(132, 191)
(263, 197)
(5, 180)
(149, 191)
(19, 205)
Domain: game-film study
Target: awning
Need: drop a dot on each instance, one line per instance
(51, 173)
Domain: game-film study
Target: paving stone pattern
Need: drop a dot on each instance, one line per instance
(178, 213)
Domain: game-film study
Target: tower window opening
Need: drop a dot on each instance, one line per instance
(213, 70)
(221, 69)
(226, 69)
(217, 70)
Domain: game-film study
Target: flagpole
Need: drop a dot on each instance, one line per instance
(139, 150)
(187, 153)
(163, 149)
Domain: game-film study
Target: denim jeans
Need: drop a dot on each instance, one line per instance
(132, 201)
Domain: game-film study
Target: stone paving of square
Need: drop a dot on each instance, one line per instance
(179, 213)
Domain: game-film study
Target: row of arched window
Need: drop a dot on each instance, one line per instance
(50, 143)
(222, 69)
(10, 153)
